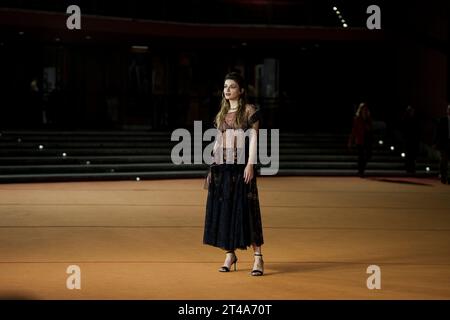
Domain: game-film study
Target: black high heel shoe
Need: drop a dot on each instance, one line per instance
(225, 268)
(258, 272)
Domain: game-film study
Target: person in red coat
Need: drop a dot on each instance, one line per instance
(362, 136)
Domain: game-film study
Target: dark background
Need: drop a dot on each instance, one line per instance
(159, 65)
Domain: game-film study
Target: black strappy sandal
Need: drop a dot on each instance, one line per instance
(225, 268)
(257, 272)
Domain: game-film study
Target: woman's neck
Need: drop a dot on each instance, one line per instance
(234, 104)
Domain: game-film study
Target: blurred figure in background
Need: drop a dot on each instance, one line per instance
(442, 142)
(362, 136)
(411, 135)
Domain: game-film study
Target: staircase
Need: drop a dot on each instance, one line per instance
(27, 156)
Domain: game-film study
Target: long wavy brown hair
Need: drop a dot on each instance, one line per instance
(360, 112)
(225, 104)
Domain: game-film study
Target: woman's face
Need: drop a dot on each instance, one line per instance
(231, 90)
(365, 112)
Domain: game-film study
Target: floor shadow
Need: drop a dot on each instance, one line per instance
(312, 266)
(303, 267)
(410, 181)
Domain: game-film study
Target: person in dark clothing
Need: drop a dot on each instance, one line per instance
(37, 113)
(233, 216)
(411, 135)
(362, 136)
(442, 142)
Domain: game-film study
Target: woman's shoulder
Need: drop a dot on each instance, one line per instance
(253, 113)
(250, 108)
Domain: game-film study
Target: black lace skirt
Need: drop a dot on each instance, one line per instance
(233, 217)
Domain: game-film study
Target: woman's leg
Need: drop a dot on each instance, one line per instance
(230, 259)
(258, 265)
(443, 167)
(361, 159)
(256, 249)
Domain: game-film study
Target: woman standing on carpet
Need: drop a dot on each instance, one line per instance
(233, 217)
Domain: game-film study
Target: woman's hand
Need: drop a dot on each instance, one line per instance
(248, 173)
